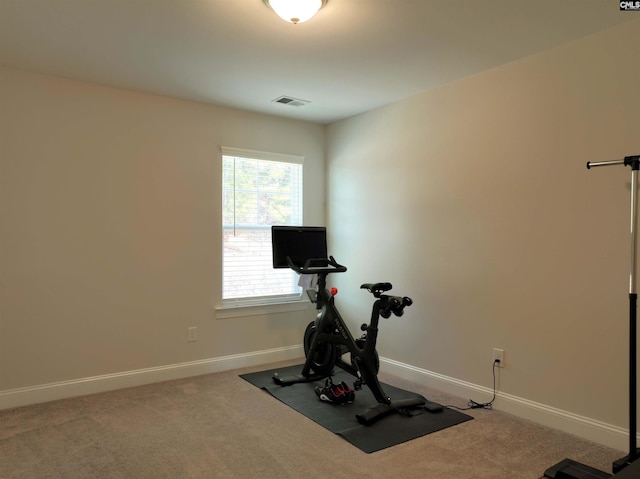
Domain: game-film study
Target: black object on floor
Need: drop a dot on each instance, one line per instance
(341, 420)
(568, 469)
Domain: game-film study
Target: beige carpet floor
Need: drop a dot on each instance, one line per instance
(220, 426)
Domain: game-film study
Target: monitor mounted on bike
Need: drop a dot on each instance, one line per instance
(299, 243)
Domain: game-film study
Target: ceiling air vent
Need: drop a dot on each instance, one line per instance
(288, 100)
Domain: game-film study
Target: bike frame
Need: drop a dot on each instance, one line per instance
(364, 358)
(331, 330)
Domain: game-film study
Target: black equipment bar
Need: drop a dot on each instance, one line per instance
(571, 469)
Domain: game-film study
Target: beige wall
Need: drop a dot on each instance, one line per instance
(474, 199)
(110, 234)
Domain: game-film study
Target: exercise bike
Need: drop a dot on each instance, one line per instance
(327, 338)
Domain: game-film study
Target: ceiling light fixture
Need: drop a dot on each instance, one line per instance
(295, 11)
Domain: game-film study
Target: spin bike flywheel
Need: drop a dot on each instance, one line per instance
(326, 354)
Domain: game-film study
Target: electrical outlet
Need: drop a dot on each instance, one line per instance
(191, 334)
(498, 355)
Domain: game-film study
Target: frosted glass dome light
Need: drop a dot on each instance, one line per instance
(295, 11)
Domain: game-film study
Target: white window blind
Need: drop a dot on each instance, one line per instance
(259, 190)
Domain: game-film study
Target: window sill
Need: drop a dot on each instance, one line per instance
(237, 311)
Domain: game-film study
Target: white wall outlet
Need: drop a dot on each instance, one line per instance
(498, 355)
(191, 334)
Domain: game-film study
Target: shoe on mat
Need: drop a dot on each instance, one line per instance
(333, 393)
(350, 393)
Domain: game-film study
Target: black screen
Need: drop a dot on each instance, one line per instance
(300, 243)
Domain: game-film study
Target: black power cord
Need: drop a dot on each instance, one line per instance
(486, 405)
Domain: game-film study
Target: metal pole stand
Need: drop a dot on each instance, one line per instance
(574, 470)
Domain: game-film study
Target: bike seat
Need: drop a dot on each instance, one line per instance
(376, 288)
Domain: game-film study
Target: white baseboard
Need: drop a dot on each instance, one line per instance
(78, 387)
(581, 426)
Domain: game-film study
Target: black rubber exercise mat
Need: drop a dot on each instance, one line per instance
(340, 419)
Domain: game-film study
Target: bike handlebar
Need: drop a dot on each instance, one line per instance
(317, 266)
(394, 305)
(388, 304)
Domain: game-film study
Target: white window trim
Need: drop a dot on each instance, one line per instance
(261, 155)
(241, 310)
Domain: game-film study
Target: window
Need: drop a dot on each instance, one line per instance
(259, 190)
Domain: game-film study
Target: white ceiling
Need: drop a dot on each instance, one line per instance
(355, 55)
